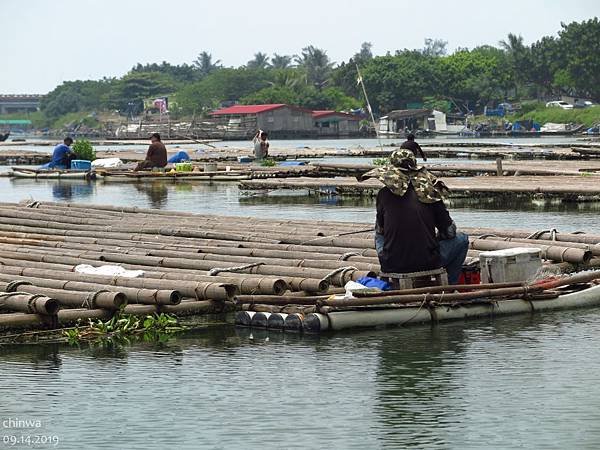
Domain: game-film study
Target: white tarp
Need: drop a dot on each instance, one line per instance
(107, 163)
(113, 271)
(554, 127)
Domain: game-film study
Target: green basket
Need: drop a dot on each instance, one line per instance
(184, 167)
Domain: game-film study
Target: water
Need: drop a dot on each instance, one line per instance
(339, 144)
(522, 382)
(519, 382)
(226, 199)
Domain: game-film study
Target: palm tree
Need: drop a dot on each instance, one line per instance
(260, 61)
(518, 57)
(317, 65)
(281, 61)
(205, 64)
(513, 44)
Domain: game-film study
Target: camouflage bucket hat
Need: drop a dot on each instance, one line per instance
(404, 159)
(403, 171)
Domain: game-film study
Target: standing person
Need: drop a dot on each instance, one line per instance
(411, 145)
(261, 145)
(156, 155)
(410, 208)
(62, 155)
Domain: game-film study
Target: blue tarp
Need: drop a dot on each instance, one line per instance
(374, 283)
(292, 163)
(179, 157)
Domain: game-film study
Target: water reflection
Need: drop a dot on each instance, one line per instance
(68, 190)
(156, 191)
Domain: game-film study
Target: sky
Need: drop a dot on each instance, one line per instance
(46, 42)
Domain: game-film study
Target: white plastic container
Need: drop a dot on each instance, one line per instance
(508, 265)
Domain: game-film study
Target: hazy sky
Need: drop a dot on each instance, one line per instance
(46, 42)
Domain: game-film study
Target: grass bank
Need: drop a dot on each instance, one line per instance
(587, 116)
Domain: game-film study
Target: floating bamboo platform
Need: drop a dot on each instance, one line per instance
(582, 188)
(280, 274)
(12, 154)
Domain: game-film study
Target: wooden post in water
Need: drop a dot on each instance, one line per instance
(499, 171)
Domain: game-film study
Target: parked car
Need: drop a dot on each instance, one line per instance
(559, 104)
(583, 104)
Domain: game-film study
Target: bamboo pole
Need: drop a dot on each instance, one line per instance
(105, 296)
(28, 303)
(78, 299)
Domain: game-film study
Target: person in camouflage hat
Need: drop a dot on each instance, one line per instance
(410, 208)
(403, 171)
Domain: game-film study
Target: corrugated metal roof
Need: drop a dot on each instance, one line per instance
(329, 113)
(400, 114)
(247, 109)
(14, 122)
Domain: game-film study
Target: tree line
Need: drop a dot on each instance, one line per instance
(466, 79)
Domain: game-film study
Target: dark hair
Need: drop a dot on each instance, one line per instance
(68, 140)
(155, 135)
(264, 134)
(410, 137)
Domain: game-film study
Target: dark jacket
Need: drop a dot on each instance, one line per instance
(409, 230)
(157, 154)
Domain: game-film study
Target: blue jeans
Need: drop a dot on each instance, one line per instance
(452, 253)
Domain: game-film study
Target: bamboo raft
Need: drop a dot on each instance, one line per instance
(581, 188)
(280, 274)
(51, 174)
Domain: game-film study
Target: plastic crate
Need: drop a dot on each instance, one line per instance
(81, 164)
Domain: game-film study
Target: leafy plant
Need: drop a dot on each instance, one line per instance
(84, 150)
(380, 161)
(268, 162)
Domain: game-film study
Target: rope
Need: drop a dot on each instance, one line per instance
(218, 270)
(337, 235)
(418, 310)
(90, 300)
(30, 301)
(537, 234)
(342, 271)
(483, 236)
(347, 255)
(13, 285)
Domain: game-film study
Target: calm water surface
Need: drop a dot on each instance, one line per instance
(523, 382)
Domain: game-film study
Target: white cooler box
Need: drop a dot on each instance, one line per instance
(508, 265)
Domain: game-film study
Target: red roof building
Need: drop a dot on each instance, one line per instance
(276, 117)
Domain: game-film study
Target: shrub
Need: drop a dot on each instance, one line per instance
(83, 149)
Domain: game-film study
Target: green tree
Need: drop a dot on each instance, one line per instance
(260, 61)
(579, 49)
(317, 65)
(281, 61)
(183, 73)
(364, 55)
(435, 47)
(205, 65)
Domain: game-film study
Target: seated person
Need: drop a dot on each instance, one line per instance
(61, 156)
(156, 156)
(409, 210)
